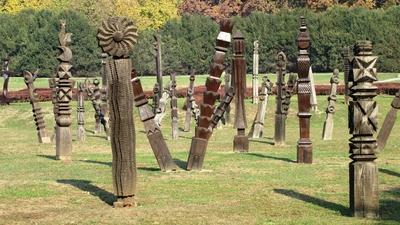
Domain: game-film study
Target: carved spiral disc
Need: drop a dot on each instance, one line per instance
(117, 36)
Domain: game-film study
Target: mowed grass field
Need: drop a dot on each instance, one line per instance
(264, 186)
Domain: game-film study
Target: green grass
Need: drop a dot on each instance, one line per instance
(260, 187)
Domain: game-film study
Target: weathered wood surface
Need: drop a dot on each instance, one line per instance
(174, 108)
(153, 132)
(202, 134)
(290, 90)
(93, 91)
(81, 133)
(157, 48)
(6, 76)
(330, 110)
(255, 72)
(104, 111)
(36, 109)
(64, 96)
(241, 140)
(156, 98)
(117, 37)
(189, 101)
(346, 54)
(280, 115)
(304, 144)
(53, 86)
(257, 128)
(221, 109)
(363, 110)
(164, 101)
(388, 123)
(227, 114)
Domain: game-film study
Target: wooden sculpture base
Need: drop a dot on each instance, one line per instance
(328, 128)
(125, 202)
(196, 154)
(279, 136)
(161, 152)
(63, 143)
(241, 142)
(304, 151)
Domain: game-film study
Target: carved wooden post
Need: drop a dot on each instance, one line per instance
(81, 135)
(227, 114)
(202, 133)
(346, 64)
(104, 112)
(64, 96)
(328, 125)
(117, 36)
(255, 72)
(165, 99)
(258, 124)
(280, 116)
(36, 109)
(53, 86)
(156, 98)
(153, 132)
(304, 145)
(95, 95)
(189, 102)
(6, 76)
(157, 47)
(174, 107)
(289, 90)
(221, 109)
(388, 123)
(241, 140)
(313, 97)
(363, 110)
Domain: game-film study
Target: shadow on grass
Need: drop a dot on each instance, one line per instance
(180, 163)
(389, 172)
(316, 201)
(390, 208)
(86, 185)
(110, 164)
(52, 157)
(270, 142)
(271, 157)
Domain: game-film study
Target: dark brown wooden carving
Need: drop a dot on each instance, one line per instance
(153, 132)
(156, 98)
(346, 64)
(330, 110)
(6, 75)
(289, 91)
(157, 48)
(189, 101)
(93, 91)
(280, 114)
(363, 110)
(202, 133)
(81, 134)
(220, 110)
(117, 36)
(174, 107)
(388, 123)
(304, 145)
(227, 114)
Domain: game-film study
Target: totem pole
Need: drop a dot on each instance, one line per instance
(241, 140)
(53, 86)
(202, 133)
(313, 98)
(258, 123)
(304, 145)
(174, 107)
(104, 112)
(157, 48)
(388, 123)
(189, 101)
(64, 96)
(6, 75)
(36, 109)
(156, 98)
(280, 116)
(363, 111)
(117, 36)
(255, 72)
(346, 64)
(221, 109)
(81, 136)
(328, 125)
(227, 114)
(153, 132)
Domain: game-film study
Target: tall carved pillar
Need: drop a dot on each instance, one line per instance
(257, 128)
(241, 140)
(221, 109)
(304, 145)
(36, 109)
(157, 48)
(156, 98)
(117, 36)
(189, 102)
(6, 75)
(174, 107)
(255, 72)
(202, 133)
(64, 96)
(280, 116)
(328, 125)
(346, 66)
(95, 96)
(289, 91)
(363, 110)
(388, 123)
(53, 86)
(81, 134)
(227, 113)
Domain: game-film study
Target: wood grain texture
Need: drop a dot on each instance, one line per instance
(189, 102)
(257, 128)
(81, 133)
(174, 107)
(255, 72)
(330, 110)
(388, 123)
(280, 114)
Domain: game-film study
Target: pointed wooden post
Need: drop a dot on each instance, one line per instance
(241, 140)
(363, 111)
(255, 72)
(174, 107)
(388, 123)
(189, 102)
(81, 135)
(257, 128)
(157, 48)
(280, 116)
(330, 110)
(304, 145)
(117, 36)
(227, 114)
(202, 133)
(346, 67)
(6, 75)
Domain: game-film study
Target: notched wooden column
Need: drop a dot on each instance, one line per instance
(227, 114)
(255, 72)
(257, 128)
(157, 48)
(330, 110)
(81, 133)
(174, 108)
(280, 115)
(189, 101)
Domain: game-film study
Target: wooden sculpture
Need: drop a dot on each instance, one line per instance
(93, 91)
(313, 97)
(255, 72)
(227, 114)
(189, 101)
(174, 107)
(81, 134)
(388, 123)
(258, 124)
(153, 132)
(156, 98)
(280, 116)
(104, 101)
(157, 48)
(241, 140)
(64, 96)
(304, 145)
(289, 91)
(6, 75)
(164, 100)
(36, 109)
(202, 134)
(221, 109)
(328, 125)
(117, 36)
(363, 110)
(53, 86)
(346, 64)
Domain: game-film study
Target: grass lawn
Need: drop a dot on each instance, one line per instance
(263, 186)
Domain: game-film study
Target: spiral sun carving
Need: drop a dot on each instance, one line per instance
(117, 36)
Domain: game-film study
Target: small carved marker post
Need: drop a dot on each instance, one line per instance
(81, 135)
(221, 109)
(156, 98)
(95, 95)
(227, 114)
(241, 140)
(157, 48)
(280, 116)
(117, 36)
(64, 96)
(189, 102)
(328, 125)
(289, 90)
(258, 124)
(346, 64)
(36, 109)
(165, 99)
(6, 75)
(388, 123)
(255, 72)
(304, 145)
(174, 107)
(363, 110)
(202, 133)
